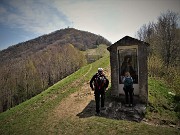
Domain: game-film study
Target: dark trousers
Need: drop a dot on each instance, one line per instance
(99, 95)
(129, 94)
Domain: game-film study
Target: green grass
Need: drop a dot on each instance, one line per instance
(101, 126)
(96, 53)
(30, 117)
(161, 104)
(100, 50)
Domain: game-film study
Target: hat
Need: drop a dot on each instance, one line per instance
(100, 69)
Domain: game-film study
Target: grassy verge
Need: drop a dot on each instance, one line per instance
(162, 106)
(102, 126)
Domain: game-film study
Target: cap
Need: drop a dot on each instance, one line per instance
(100, 69)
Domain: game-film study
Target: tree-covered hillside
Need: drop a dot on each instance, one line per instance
(30, 67)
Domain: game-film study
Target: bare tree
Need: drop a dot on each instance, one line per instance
(166, 32)
(163, 37)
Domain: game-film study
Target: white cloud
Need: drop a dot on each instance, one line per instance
(34, 16)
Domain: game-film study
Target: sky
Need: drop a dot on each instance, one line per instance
(22, 20)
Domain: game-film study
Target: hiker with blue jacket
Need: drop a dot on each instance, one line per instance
(128, 89)
(98, 84)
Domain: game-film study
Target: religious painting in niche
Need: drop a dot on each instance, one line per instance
(128, 63)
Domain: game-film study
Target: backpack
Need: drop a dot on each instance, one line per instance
(100, 81)
(128, 82)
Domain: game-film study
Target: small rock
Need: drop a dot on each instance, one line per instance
(171, 125)
(170, 93)
(110, 104)
(141, 109)
(120, 105)
(145, 120)
(136, 116)
(136, 120)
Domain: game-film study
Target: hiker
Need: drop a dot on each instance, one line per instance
(98, 84)
(128, 89)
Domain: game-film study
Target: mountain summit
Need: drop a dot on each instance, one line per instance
(80, 39)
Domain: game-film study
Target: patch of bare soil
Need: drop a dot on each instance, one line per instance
(75, 103)
(70, 107)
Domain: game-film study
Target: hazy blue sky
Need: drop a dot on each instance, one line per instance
(21, 20)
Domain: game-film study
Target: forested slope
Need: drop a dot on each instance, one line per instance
(30, 67)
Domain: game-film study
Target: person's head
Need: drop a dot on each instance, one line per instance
(127, 74)
(100, 70)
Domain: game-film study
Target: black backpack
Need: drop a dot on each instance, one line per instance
(128, 82)
(100, 81)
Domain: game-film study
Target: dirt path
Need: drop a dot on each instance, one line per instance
(74, 105)
(76, 102)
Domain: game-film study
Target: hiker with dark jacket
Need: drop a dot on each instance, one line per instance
(98, 84)
(128, 89)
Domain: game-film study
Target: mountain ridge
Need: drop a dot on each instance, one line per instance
(80, 39)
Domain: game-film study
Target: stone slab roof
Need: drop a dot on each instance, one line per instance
(127, 40)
